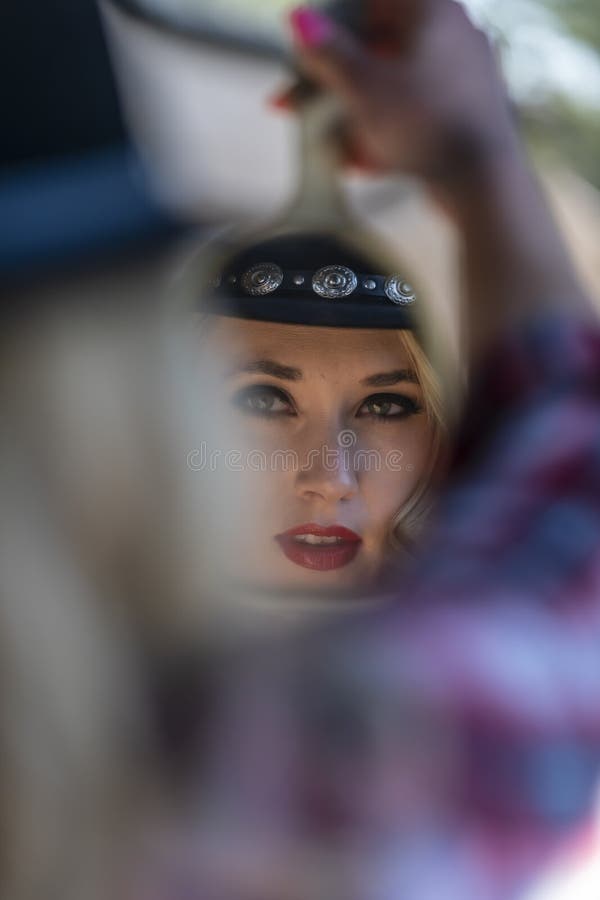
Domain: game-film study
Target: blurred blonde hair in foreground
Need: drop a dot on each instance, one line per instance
(103, 553)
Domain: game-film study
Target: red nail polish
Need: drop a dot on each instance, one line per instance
(279, 102)
(311, 28)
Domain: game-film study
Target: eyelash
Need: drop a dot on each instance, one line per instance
(258, 390)
(410, 407)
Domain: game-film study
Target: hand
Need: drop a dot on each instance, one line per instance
(426, 99)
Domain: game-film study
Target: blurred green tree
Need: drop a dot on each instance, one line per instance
(580, 17)
(560, 125)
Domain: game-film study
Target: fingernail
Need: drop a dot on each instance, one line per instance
(278, 101)
(311, 28)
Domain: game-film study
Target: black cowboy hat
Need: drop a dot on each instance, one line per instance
(310, 279)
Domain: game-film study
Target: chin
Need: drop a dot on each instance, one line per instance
(310, 587)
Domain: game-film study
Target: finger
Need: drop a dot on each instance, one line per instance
(392, 23)
(283, 101)
(354, 156)
(356, 162)
(330, 54)
(382, 25)
(292, 97)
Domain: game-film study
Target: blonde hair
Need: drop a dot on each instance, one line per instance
(411, 517)
(100, 530)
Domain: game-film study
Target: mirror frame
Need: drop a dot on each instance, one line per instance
(202, 30)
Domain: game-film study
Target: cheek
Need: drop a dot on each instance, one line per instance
(417, 446)
(402, 460)
(384, 493)
(264, 480)
(267, 437)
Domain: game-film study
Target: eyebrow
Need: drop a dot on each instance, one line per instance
(387, 379)
(268, 367)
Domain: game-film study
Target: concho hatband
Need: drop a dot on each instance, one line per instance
(332, 282)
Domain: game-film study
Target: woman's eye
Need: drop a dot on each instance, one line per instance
(389, 406)
(263, 400)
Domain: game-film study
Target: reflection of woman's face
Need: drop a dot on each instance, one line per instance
(339, 438)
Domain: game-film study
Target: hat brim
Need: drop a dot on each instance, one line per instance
(318, 312)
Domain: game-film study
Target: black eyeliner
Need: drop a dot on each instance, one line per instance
(258, 389)
(410, 406)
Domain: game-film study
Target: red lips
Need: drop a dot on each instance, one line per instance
(323, 557)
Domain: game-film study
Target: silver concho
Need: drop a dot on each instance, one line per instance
(399, 291)
(261, 279)
(334, 282)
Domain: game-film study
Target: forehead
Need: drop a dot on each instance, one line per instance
(305, 346)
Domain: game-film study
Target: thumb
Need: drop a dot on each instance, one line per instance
(330, 54)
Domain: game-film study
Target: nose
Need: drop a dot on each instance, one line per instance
(327, 474)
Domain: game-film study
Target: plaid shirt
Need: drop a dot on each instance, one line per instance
(521, 515)
(516, 545)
